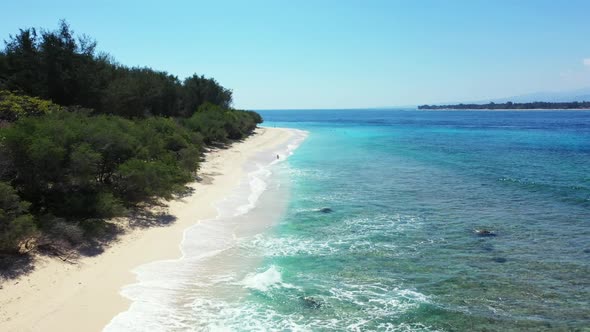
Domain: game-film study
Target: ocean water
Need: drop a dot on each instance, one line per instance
(396, 247)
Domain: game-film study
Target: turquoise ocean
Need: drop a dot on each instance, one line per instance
(374, 227)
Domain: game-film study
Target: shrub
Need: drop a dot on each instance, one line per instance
(13, 106)
(16, 224)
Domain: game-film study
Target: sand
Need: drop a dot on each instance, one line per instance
(84, 296)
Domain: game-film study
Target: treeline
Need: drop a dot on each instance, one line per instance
(511, 106)
(57, 66)
(84, 139)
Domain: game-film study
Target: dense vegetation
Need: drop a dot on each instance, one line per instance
(511, 106)
(84, 139)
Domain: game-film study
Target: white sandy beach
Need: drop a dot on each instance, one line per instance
(85, 296)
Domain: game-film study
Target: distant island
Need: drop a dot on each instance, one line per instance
(511, 106)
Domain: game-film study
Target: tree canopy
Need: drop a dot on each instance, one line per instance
(58, 66)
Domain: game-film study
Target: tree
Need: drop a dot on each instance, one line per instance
(21, 67)
(141, 92)
(198, 90)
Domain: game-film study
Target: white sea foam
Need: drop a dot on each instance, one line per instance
(216, 315)
(264, 281)
(345, 238)
(376, 302)
(160, 297)
(287, 246)
(258, 184)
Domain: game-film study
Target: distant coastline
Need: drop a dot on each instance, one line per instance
(506, 109)
(510, 106)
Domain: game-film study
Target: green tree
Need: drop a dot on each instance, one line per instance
(198, 90)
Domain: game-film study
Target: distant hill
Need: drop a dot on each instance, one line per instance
(549, 97)
(579, 95)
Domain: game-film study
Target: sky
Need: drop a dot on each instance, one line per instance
(338, 54)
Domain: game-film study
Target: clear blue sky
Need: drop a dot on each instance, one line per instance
(339, 54)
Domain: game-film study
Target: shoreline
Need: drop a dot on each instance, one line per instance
(85, 296)
(214, 267)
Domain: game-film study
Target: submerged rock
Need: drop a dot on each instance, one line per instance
(487, 246)
(326, 210)
(311, 302)
(484, 232)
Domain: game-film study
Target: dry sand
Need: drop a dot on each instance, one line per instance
(84, 296)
